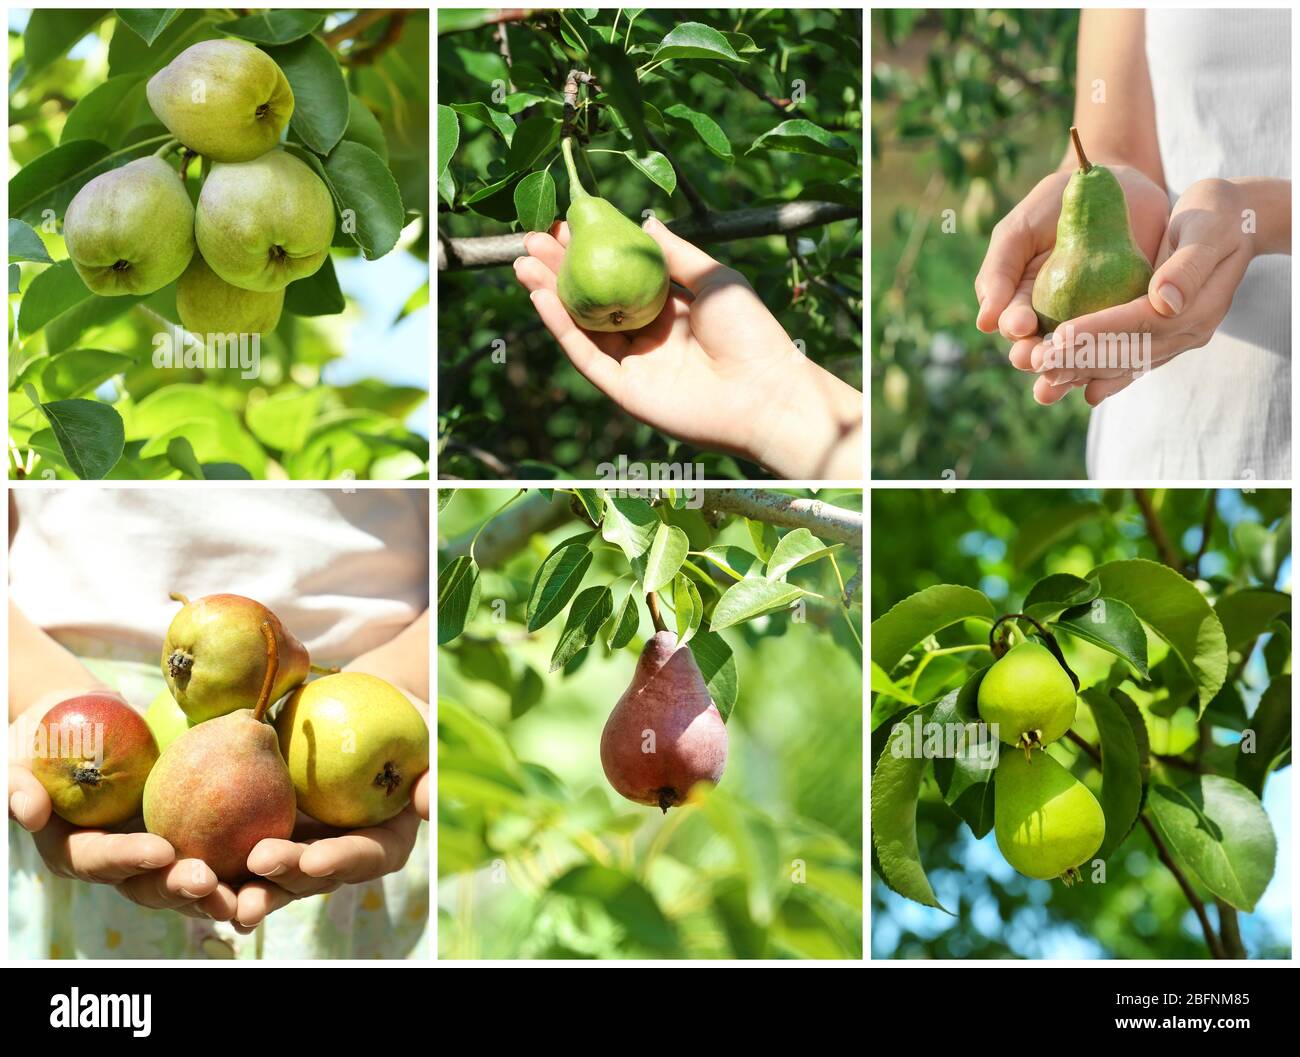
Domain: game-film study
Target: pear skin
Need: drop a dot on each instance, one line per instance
(130, 230)
(665, 735)
(614, 276)
(93, 754)
(224, 99)
(355, 746)
(214, 656)
(262, 224)
(1096, 262)
(217, 790)
(1047, 821)
(1028, 695)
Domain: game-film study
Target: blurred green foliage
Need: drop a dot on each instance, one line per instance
(539, 858)
(969, 109)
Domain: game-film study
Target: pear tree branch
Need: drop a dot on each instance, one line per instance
(488, 251)
(509, 532)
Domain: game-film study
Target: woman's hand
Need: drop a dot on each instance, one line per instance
(1202, 259)
(715, 368)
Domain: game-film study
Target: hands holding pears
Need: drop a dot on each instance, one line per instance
(1086, 239)
(223, 785)
(264, 217)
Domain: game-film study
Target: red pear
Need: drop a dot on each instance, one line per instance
(665, 735)
(92, 754)
(222, 786)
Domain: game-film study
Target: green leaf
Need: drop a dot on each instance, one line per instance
(667, 552)
(458, 594)
(588, 613)
(558, 577)
(1219, 831)
(753, 598)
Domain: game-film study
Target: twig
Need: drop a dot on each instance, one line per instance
(1156, 531)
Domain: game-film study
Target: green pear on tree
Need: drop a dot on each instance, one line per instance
(224, 99)
(614, 276)
(262, 224)
(131, 230)
(207, 304)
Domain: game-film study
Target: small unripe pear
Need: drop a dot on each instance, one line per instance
(207, 304)
(665, 735)
(224, 99)
(1028, 695)
(1047, 821)
(131, 230)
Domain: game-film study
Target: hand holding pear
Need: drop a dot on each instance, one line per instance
(614, 276)
(1096, 262)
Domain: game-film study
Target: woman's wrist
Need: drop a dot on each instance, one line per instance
(811, 428)
(1264, 206)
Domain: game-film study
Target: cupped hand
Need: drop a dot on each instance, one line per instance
(1023, 240)
(1201, 262)
(320, 859)
(141, 866)
(715, 369)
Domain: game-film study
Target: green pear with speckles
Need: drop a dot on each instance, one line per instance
(1096, 262)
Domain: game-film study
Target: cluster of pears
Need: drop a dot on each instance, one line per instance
(345, 749)
(263, 219)
(614, 276)
(1046, 821)
(1096, 262)
(665, 734)
(211, 774)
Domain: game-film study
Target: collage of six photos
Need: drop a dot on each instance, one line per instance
(669, 521)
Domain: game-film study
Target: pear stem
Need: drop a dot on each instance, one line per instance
(1084, 163)
(178, 597)
(652, 601)
(576, 190)
(272, 669)
(320, 669)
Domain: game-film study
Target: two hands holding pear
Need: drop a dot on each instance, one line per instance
(263, 219)
(215, 776)
(1090, 268)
